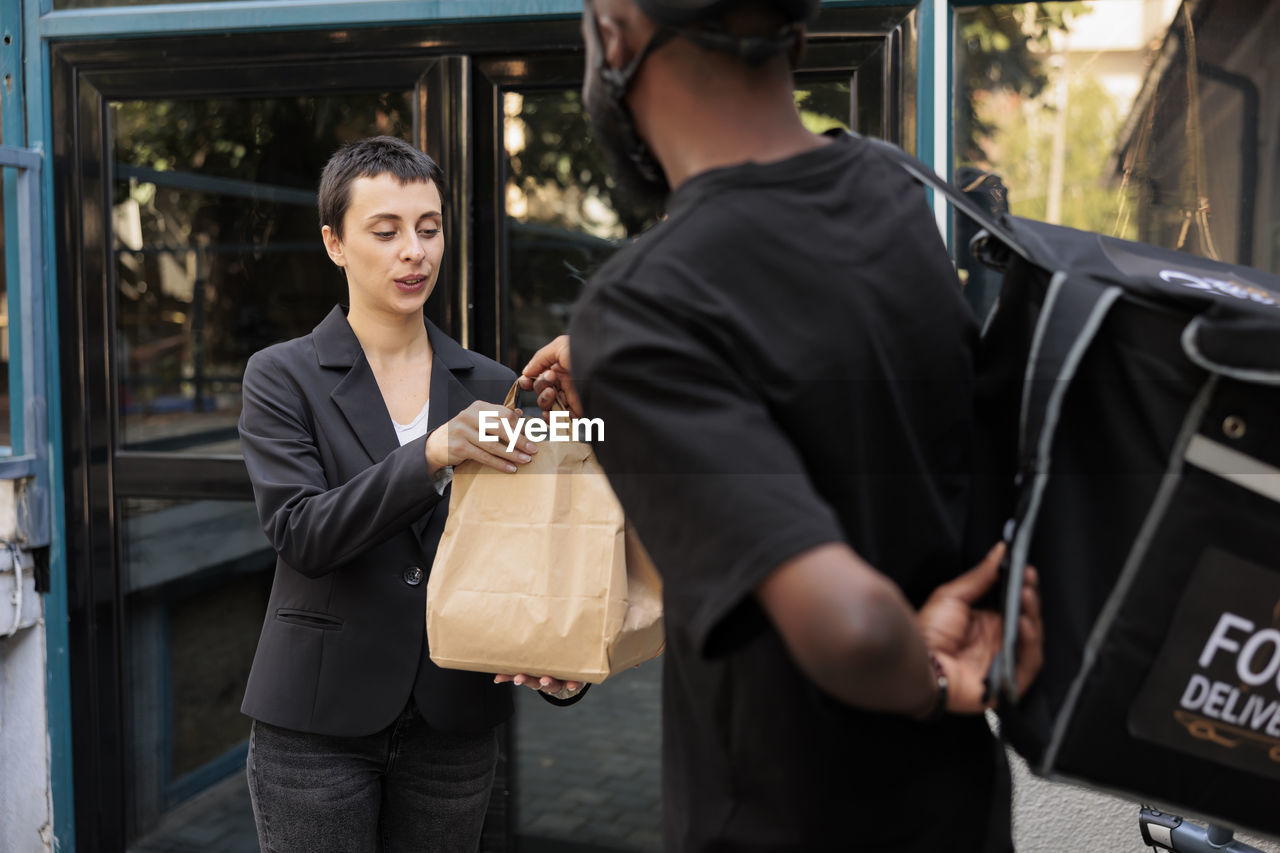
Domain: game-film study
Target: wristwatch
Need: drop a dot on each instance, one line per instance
(939, 709)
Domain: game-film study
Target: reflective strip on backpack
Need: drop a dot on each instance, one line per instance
(1129, 573)
(1232, 465)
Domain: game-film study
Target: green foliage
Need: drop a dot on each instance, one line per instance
(824, 106)
(1007, 116)
(1025, 142)
(1001, 49)
(560, 151)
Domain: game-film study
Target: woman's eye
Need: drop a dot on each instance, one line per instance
(429, 232)
(384, 234)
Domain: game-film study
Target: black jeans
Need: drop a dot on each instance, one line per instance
(407, 787)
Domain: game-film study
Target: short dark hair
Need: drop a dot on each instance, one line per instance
(369, 158)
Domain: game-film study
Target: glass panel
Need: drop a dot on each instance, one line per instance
(564, 215)
(825, 104)
(217, 249)
(197, 575)
(582, 777)
(1084, 114)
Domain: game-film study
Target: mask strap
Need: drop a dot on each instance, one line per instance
(753, 50)
(617, 81)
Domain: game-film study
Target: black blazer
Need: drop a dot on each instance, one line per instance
(355, 520)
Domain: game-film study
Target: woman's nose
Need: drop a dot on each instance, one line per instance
(412, 250)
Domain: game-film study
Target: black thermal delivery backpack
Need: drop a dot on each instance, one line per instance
(1129, 412)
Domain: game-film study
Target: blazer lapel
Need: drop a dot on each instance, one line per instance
(448, 395)
(450, 364)
(356, 394)
(361, 403)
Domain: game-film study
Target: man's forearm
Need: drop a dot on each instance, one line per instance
(851, 631)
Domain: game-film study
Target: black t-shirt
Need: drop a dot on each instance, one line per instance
(787, 361)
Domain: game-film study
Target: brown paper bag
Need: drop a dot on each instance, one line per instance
(538, 572)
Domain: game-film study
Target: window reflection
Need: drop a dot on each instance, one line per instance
(197, 576)
(217, 249)
(1091, 115)
(825, 104)
(564, 216)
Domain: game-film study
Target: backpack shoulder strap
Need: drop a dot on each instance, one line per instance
(1074, 309)
(959, 200)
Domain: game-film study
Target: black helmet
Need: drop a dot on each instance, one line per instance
(679, 12)
(675, 16)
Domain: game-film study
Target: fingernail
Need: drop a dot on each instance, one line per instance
(511, 469)
(531, 448)
(523, 457)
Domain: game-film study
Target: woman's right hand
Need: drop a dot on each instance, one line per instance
(459, 440)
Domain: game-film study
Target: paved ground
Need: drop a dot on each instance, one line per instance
(589, 773)
(219, 819)
(586, 777)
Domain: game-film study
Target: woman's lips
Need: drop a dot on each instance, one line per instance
(411, 284)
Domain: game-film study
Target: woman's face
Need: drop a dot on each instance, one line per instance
(391, 244)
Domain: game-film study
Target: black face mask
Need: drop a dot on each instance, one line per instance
(636, 171)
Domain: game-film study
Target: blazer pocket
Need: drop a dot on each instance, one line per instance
(309, 619)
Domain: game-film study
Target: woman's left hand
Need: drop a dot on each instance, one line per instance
(554, 687)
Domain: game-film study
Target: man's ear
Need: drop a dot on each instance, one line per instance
(613, 38)
(333, 245)
(797, 49)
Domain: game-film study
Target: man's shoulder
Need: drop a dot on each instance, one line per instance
(642, 282)
(655, 265)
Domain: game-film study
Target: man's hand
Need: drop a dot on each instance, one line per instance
(554, 687)
(459, 440)
(547, 374)
(966, 640)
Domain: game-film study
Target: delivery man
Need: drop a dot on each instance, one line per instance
(785, 367)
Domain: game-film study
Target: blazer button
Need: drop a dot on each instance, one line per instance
(413, 576)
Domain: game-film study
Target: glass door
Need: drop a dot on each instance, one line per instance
(193, 242)
(216, 254)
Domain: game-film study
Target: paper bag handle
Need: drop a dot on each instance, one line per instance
(510, 401)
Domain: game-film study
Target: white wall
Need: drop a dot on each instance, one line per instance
(1054, 817)
(25, 805)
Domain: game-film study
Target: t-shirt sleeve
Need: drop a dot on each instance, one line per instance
(715, 489)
